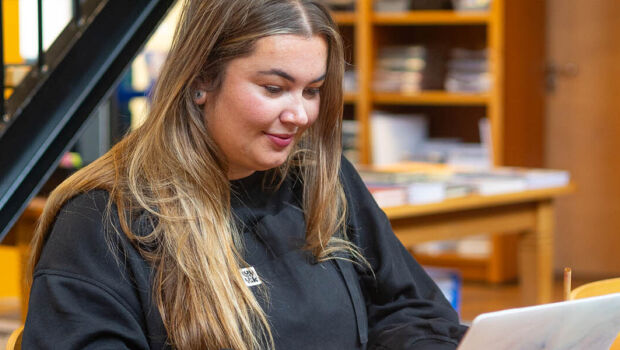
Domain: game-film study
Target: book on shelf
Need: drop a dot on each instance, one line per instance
(405, 137)
(400, 68)
(340, 5)
(490, 182)
(471, 5)
(486, 139)
(512, 179)
(392, 5)
(388, 195)
(395, 137)
(420, 186)
(468, 71)
(416, 192)
(349, 81)
(408, 69)
(476, 246)
(538, 178)
(350, 132)
(425, 183)
(424, 192)
(469, 155)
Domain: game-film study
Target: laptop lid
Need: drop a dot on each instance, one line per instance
(589, 323)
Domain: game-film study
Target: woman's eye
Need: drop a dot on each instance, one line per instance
(272, 89)
(312, 92)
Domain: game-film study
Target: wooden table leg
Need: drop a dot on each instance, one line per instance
(536, 257)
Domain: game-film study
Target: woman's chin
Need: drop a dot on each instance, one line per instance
(273, 162)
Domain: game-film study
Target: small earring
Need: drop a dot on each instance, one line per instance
(199, 94)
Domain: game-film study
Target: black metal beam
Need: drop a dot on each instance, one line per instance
(48, 123)
(40, 53)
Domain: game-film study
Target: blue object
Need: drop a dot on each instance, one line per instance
(449, 282)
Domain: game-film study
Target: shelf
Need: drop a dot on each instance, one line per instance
(350, 97)
(439, 17)
(431, 97)
(448, 258)
(445, 17)
(471, 268)
(475, 201)
(368, 31)
(344, 17)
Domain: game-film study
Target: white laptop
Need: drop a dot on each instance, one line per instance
(589, 323)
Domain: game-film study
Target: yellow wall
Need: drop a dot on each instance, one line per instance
(10, 272)
(10, 29)
(10, 12)
(10, 269)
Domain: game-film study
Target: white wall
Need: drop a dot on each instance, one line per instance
(56, 15)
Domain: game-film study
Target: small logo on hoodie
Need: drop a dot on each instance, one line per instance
(250, 277)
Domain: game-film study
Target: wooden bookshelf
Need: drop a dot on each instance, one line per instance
(433, 98)
(350, 97)
(438, 18)
(507, 26)
(475, 202)
(344, 17)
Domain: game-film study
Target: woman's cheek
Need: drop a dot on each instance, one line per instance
(314, 113)
(257, 108)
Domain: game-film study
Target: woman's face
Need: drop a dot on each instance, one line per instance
(266, 101)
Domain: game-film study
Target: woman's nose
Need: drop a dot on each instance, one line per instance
(295, 114)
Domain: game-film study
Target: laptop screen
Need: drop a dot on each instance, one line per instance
(590, 323)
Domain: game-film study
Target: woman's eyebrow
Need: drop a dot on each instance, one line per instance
(287, 76)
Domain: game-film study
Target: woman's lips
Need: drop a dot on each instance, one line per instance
(281, 140)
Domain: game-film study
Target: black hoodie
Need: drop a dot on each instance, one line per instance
(88, 296)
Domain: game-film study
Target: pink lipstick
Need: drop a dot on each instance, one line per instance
(281, 140)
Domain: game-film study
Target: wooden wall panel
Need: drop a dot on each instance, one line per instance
(583, 132)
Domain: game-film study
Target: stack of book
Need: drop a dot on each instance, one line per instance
(400, 69)
(510, 179)
(453, 152)
(468, 71)
(470, 155)
(420, 183)
(537, 178)
(490, 182)
(349, 81)
(350, 131)
(476, 246)
(392, 5)
(388, 195)
(471, 5)
(340, 5)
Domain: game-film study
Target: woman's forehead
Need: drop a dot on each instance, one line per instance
(297, 56)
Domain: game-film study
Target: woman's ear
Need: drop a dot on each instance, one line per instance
(199, 92)
(200, 96)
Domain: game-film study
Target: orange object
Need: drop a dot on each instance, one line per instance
(597, 288)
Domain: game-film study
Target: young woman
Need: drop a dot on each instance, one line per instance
(229, 219)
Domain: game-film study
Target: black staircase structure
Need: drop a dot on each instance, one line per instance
(43, 117)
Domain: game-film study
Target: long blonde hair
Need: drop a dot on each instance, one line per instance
(173, 169)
